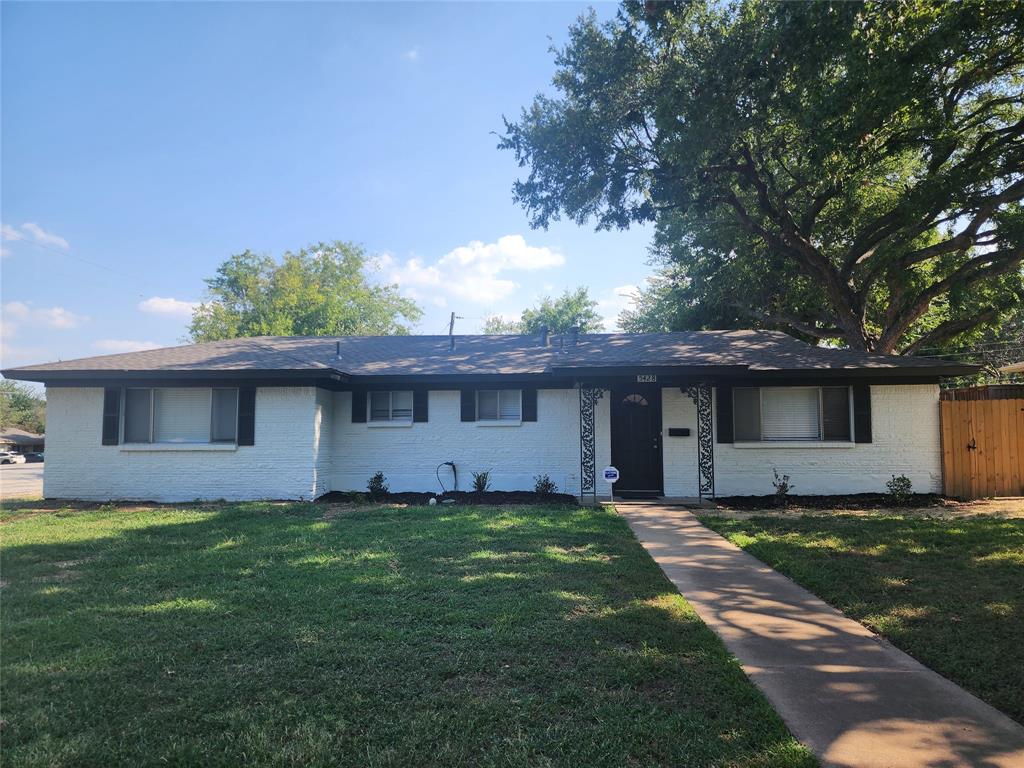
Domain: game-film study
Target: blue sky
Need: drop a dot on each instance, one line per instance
(144, 143)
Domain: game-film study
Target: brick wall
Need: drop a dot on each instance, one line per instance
(905, 440)
(409, 455)
(278, 466)
(306, 444)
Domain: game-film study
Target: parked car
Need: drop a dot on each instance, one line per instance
(33, 458)
(6, 457)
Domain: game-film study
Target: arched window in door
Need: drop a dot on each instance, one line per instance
(635, 399)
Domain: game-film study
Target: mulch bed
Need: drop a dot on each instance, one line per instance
(459, 497)
(851, 501)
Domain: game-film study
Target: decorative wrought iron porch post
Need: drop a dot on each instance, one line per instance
(588, 446)
(701, 396)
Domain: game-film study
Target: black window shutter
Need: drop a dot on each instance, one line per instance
(111, 416)
(358, 406)
(862, 413)
(420, 398)
(247, 415)
(529, 404)
(723, 401)
(469, 405)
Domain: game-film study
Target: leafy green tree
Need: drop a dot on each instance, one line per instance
(572, 308)
(321, 290)
(842, 170)
(21, 407)
(495, 325)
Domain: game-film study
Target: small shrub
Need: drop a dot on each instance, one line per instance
(544, 486)
(482, 481)
(899, 489)
(782, 488)
(378, 486)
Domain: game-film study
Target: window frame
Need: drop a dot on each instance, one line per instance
(124, 416)
(233, 441)
(391, 421)
(152, 419)
(518, 420)
(819, 440)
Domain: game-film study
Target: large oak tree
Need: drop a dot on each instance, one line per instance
(846, 171)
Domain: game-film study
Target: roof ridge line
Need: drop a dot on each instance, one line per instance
(252, 340)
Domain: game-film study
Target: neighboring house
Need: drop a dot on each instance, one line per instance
(20, 441)
(680, 414)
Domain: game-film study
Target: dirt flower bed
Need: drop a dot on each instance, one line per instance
(919, 506)
(457, 497)
(851, 501)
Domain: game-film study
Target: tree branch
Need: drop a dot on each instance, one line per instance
(967, 274)
(948, 330)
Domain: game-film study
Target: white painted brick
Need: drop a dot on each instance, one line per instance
(306, 445)
(679, 454)
(279, 465)
(905, 440)
(409, 455)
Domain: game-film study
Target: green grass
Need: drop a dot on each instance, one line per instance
(267, 634)
(950, 592)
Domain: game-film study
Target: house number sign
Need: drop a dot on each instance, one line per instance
(646, 378)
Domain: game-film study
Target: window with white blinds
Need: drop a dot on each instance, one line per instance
(181, 415)
(792, 413)
(499, 405)
(391, 406)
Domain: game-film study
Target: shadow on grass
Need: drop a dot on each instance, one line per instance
(950, 592)
(486, 636)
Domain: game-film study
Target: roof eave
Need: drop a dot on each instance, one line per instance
(45, 376)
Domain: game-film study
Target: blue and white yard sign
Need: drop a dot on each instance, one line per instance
(611, 475)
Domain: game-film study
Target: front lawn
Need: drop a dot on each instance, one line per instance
(950, 592)
(311, 634)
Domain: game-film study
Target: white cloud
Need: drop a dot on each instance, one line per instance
(611, 304)
(164, 305)
(472, 272)
(413, 54)
(11, 356)
(17, 312)
(33, 233)
(116, 346)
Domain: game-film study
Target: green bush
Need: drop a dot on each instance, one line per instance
(782, 488)
(900, 489)
(377, 486)
(544, 486)
(482, 481)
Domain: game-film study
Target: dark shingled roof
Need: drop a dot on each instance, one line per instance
(757, 351)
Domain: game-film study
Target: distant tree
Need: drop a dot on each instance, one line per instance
(846, 171)
(572, 308)
(21, 407)
(321, 290)
(496, 325)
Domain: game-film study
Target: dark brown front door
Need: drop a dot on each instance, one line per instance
(636, 438)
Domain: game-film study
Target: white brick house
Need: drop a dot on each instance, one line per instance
(680, 414)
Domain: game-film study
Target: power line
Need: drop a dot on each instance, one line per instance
(119, 272)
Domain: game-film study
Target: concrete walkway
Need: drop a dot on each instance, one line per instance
(852, 698)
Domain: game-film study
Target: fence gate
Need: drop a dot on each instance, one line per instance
(983, 441)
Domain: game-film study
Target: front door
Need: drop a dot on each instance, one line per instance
(636, 439)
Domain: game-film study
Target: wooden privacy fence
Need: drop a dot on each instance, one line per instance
(983, 441)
